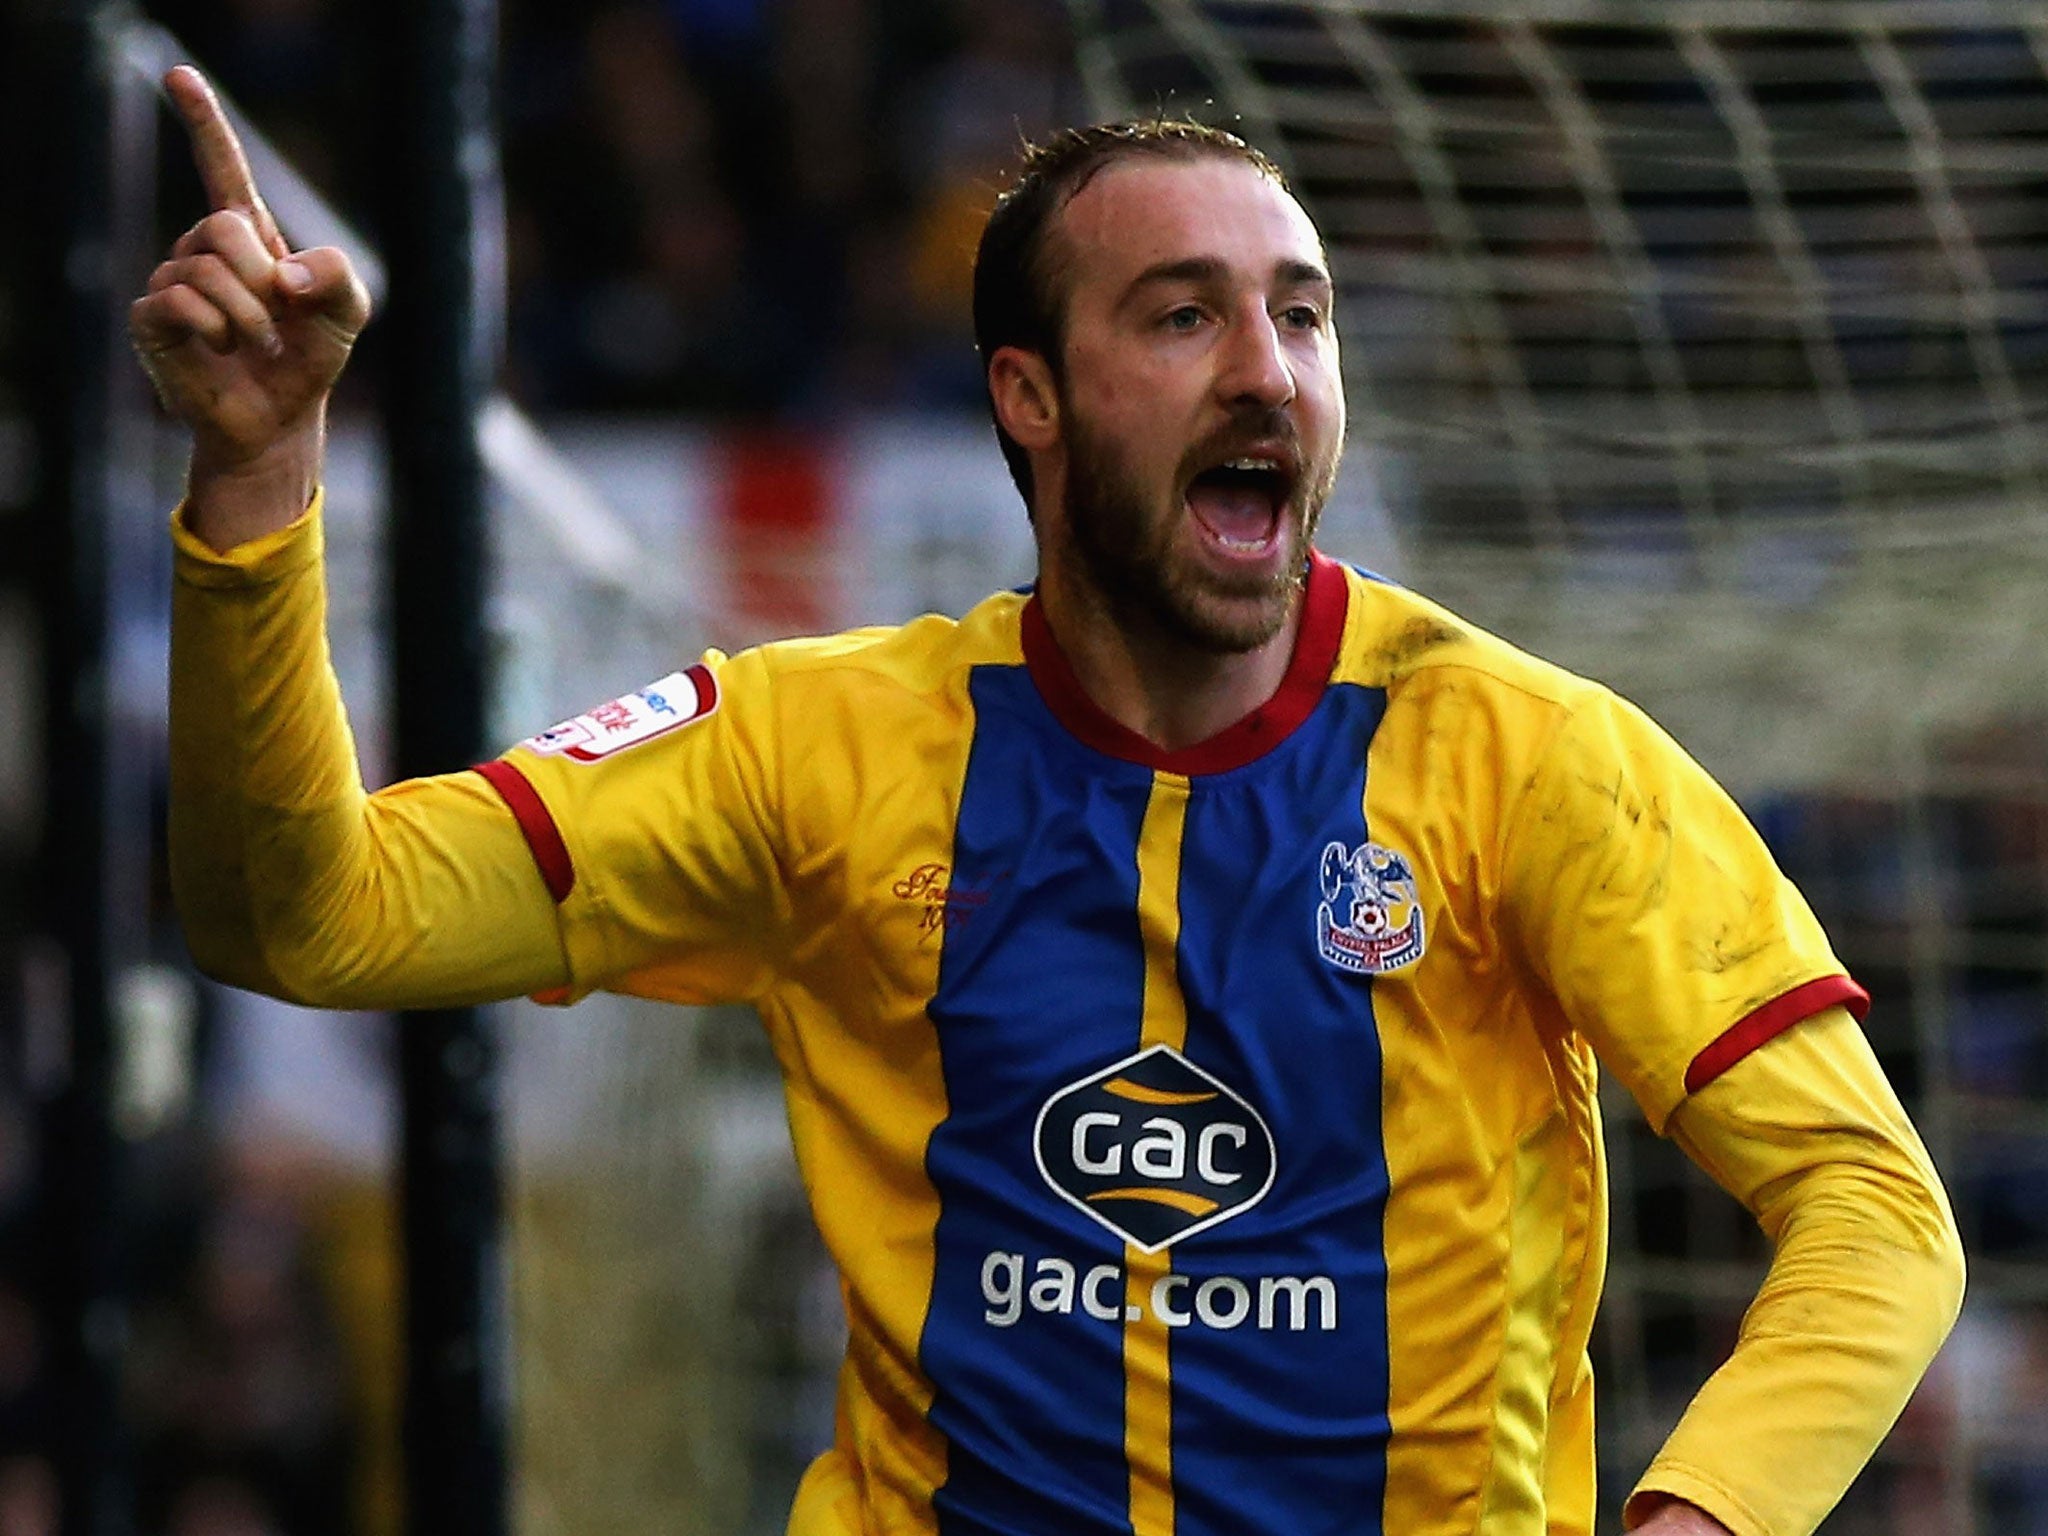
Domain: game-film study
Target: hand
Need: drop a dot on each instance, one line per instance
(244, 337)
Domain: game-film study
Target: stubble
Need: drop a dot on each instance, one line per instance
(1133, 555)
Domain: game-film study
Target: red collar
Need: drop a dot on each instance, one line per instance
(1315, 652)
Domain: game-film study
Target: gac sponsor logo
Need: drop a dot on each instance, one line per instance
(1010, 1286)
(1154, 1148)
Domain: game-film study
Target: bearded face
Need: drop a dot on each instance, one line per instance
(1193, 403)
(1153, 551)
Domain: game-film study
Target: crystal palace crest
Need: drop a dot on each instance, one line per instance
(1369, 920)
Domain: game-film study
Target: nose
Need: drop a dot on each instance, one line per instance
(1256, 368)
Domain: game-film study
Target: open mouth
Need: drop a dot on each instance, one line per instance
(1240, 500)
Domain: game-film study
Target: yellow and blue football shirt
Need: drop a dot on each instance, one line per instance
(1207, 1140)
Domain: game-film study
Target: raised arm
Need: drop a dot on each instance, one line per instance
(244, 339)
(290, 879)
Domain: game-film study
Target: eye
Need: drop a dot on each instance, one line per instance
(1183, 317)
(1302, 317)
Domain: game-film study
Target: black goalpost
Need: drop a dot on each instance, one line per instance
(90, 182)
(440, 342)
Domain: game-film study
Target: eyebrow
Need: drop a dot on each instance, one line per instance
(1207, 269)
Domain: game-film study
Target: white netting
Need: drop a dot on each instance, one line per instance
(1754, 297)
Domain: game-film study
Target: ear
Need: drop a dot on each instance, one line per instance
(1027, 403)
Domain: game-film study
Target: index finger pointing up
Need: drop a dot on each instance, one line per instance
(218, 153)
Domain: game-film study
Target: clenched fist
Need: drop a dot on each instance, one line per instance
(244, 338)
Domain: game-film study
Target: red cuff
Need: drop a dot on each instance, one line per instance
(542, 836)
(1772, 1020)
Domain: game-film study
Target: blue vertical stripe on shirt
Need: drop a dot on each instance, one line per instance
(1276, 1429)
(1042, 985)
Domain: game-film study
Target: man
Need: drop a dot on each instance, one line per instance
(1187, 977)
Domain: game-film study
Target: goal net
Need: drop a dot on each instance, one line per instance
(1703, 347)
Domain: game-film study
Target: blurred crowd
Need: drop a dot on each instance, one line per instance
(237, 1399)
(751, 207)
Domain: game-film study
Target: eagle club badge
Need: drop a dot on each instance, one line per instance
(1370, 919)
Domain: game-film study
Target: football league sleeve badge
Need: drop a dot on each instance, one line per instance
(680, 699)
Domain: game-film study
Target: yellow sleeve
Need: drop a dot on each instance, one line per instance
(289, 878)
(1652, 910)
(1865, 1280)
(659, 821)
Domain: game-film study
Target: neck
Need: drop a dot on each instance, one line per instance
(1151, 682)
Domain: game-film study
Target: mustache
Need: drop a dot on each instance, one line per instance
(1249, 427)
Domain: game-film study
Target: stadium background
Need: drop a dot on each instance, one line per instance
(1701, 348)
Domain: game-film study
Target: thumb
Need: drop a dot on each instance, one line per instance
(322, 283)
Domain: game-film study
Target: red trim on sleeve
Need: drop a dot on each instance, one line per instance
(1301, 689)
(702, 679)
(1772, 1020)
(535, 820)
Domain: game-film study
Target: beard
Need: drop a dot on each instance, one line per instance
(1136, 560)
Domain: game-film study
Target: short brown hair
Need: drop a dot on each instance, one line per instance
(1016, 299)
